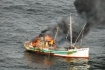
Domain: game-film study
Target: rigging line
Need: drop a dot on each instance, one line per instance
(81, 38)
(80, 33)
(86, 43)
(67, 35)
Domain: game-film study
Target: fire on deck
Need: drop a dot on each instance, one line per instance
(41, 42)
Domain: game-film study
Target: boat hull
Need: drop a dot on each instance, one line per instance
(71, 53)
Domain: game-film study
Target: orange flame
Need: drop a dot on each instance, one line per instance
(36, 41)
(47, 40)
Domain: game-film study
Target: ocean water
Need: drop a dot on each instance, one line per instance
(22, 20)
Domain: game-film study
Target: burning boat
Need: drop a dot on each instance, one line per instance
(46, 45)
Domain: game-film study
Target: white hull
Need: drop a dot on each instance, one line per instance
(71, 53)
(78, 53)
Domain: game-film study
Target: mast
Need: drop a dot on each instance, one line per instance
(56, 33)
(70, 31)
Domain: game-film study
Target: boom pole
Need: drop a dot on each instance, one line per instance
(70, 31)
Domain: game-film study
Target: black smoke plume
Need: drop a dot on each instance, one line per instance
(64, 27)
(94, 11)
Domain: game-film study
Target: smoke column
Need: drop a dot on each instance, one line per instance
(94, 11)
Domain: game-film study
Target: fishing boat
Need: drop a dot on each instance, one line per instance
(43, 47)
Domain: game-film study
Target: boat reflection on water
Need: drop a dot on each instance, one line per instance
(38, 61)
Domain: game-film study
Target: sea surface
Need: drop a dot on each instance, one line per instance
(22, 20)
